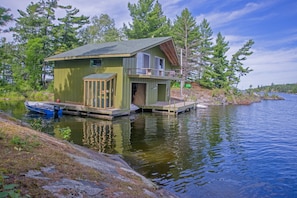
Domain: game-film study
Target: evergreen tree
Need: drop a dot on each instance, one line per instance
(5, 17)
(5, 56)
(5, 62)
(215, 75)
(204, 49)
(67, 30)
(38, 31)
(148, 20)
(236, 69)
(33, 33)
(186, 37)
(102, 29)
(36, 21)
(219, 61)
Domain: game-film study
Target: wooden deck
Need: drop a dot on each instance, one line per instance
(81, 110)
(173, 108)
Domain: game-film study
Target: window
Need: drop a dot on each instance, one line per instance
(159, 66)
(143, 63)
(96, 62)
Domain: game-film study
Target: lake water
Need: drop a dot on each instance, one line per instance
(221, 151)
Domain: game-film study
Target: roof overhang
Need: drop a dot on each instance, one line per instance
(169, 50)
(166, 45)
(87, 57)
(101, 76)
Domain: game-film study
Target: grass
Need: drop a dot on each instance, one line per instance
(24, 149)
(44, 95)
(24, 144)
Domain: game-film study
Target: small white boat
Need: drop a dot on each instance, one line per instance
(43, 108)
(201, 106)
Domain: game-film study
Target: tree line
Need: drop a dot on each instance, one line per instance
(38, 33)
(281, 88)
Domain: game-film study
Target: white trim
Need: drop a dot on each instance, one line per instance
(140, 63)
(159, 68)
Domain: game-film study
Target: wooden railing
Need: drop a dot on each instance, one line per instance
(149, 72)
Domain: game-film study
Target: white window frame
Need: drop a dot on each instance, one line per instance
(140, 64)
(159, 69)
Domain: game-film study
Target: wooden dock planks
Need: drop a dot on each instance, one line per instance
(172, 109)
(109, 114)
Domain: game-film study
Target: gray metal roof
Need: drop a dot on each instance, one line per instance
(110, 49)
(99, 76)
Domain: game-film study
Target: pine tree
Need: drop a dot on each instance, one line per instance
(38, 31)
(5, 16)
(5, 56)
(215, 75)
(33, 32)
(68, 28)
(102, 29)
(186, 37)
(148, 20)
(204, 49)
(236, 69)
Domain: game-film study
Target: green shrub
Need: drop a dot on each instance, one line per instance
(65, 133)
(8, 190)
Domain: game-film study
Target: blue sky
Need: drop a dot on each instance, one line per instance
(272, 24)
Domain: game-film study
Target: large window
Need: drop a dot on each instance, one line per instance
(143, 63)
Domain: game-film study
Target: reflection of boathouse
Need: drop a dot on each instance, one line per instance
(122, 134)
(106, 136)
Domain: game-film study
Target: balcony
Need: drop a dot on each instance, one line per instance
(154, 73)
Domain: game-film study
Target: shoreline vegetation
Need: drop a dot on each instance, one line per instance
(34, 164)
(193, 93)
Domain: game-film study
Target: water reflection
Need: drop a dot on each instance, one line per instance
(13, 108)
(231, 151)
(100, 135)
(181, 153)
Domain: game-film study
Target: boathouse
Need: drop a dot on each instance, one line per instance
(107, 78)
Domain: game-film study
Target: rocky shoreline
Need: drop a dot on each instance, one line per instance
(38, 165)
(209, 97)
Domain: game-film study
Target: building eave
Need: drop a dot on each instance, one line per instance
(88, 57)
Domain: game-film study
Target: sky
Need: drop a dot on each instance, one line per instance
(271, 24)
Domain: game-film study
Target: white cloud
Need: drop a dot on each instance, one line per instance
(278, 67)
(218, 19)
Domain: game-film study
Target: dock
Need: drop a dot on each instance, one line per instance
(174, 108)
(86, 111)
(167, 108)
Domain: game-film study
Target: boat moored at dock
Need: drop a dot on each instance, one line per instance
(44, 108)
